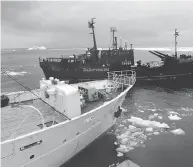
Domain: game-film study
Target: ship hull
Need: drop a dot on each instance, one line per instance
(110, 60)
(179, 75)
(79, 74)
(174, 81)
(169, 79)
(61, 142)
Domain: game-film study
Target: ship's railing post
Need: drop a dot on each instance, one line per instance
(122, 78)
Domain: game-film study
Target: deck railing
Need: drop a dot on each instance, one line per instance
(122, 78)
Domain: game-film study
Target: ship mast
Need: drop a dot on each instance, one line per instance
(91, 25)
(131, 46)
(113, 30)
(120, 43)
(176, 34)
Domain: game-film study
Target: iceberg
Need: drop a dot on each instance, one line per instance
(37, 48)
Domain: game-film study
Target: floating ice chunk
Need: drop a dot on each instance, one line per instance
(173, 112)
(149, 134)
(24, 72)
(13, 73)
(115, 143)
(147, 123)
(149, 129)
(135, 130)
(178, 132)
(151, 117)
(119, 154)
(160, 117)
(125, 141)
(152, 109)
(131, 127)
(140, 110)
(185, 109)
(124, 121)
(122, 149)
(137, 133)
(156, 133)
(122, 136)
(133, 144)
(174, 117)
(183, 115)
(123, 109)
(121, 125)
(128, 133)
(142, 137)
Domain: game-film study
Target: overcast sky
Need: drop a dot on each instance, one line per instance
(64, 24)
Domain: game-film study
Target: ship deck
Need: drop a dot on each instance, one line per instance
(17, 121)
(13, 115)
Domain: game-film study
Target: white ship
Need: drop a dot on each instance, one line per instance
(48, 131)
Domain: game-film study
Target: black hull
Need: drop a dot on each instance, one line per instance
(75, 75)
(170, 81)
(171, 74)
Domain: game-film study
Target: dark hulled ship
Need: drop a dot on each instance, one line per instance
(173, 71)
(94, 64)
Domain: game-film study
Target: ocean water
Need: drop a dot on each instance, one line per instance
(145, 146)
